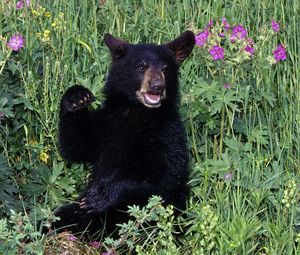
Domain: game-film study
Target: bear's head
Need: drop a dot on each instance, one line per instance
(146, 73)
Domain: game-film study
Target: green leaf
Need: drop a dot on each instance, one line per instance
(218, 166)
(233, 144)
(35, 188)
(84, 44)
(57, 170)
(66, 184)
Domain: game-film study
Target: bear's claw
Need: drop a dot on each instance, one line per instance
(82, 204)
(77, 98)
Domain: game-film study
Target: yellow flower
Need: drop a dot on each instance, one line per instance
(47, 32)
(42, 9)
(44, 157)
(46, 35)
(53, 24)
(35, 12)
(47, 14)
(32, 142)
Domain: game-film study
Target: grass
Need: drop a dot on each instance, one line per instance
(244, 142)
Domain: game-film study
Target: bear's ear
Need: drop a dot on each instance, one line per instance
(116, 46)
(182, 46)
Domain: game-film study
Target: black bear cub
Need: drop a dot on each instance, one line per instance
(135, 142)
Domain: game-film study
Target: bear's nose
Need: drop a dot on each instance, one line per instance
(157, 87)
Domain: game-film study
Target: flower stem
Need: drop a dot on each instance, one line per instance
(221, 132)
(194, 139)
(4, 62)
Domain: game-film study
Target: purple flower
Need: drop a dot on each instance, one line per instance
(16, 42)
(275, 26)
(227, 86)
(225, 24)
(20, 5)
(228, 177)
(238, 32)
(209, 24)
(95, 244)
(249, 49)
(279, 53)
(72, 238)
(217, 52)
(250, 42)
(201, 38)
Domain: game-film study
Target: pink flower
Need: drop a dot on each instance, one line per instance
(275, 26)
(238, 32)
(95, 244)
(279, 53)
(72, 238)
(250, 42)
(201, 38)
(209, 24)
(249, 49)
(217, 52)
(16, 42)
(227, 86)
(20, 5)
(228, 177)
(225, 24)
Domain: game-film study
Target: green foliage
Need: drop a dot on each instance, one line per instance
(151, 231)
(243, 138)
(9, 189)
(18, 235)
(203, 230)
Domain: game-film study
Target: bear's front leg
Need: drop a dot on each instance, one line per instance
(77, 132)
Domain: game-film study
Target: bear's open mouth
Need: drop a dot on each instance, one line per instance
(152, 99)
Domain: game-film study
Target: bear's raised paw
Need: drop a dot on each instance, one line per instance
(76, 99)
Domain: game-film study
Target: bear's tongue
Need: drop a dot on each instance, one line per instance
(152, 98)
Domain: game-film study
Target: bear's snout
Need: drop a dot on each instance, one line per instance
(157, 86)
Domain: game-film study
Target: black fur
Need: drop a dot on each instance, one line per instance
(135, 151)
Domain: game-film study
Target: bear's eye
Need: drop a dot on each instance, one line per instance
(165, 69)
(142, 67)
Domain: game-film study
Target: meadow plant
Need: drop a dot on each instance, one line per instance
(19, 235)
(232, 44)
(152, 231)
(232, 59)
(202, 234)
(290, 196)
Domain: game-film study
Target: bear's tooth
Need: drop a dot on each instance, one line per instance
(153, 99)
